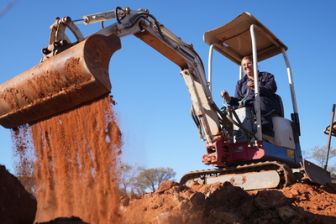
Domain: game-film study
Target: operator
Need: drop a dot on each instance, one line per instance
(244, 95)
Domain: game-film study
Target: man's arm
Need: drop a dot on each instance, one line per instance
(230, 100)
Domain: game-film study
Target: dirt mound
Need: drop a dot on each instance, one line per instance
(224, 203)
(16, 204)
(317, 200)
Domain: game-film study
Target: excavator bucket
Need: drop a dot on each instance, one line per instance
(63, 82)
(316, 174)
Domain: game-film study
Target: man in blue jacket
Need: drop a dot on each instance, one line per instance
(244, 95)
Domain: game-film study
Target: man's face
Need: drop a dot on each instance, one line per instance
(247, 66)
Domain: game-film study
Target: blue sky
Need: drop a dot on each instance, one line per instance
(153, 105)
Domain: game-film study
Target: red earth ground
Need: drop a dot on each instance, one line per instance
(172, 203)
(224, 203)
(16, 204)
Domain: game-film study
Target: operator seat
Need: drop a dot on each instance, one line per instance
(280, 105)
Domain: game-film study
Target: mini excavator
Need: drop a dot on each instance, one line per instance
(73, 73)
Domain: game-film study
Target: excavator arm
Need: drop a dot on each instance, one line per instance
(72, 74)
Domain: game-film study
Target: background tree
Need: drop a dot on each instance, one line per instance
(319, 153)
(150, 179)
(127, 177)
(138, 180)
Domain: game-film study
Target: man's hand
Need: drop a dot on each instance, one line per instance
(250, 83)
(226, 96)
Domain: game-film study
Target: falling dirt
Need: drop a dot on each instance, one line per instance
(75, 164)
(24, 156)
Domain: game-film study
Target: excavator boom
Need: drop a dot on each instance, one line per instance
(72, 74)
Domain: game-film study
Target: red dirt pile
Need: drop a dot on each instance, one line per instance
(224, 203)
(75, 164)
(16, 204)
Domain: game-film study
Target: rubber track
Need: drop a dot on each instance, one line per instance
(285, 173)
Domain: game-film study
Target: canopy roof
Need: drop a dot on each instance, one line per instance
(233, 40)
